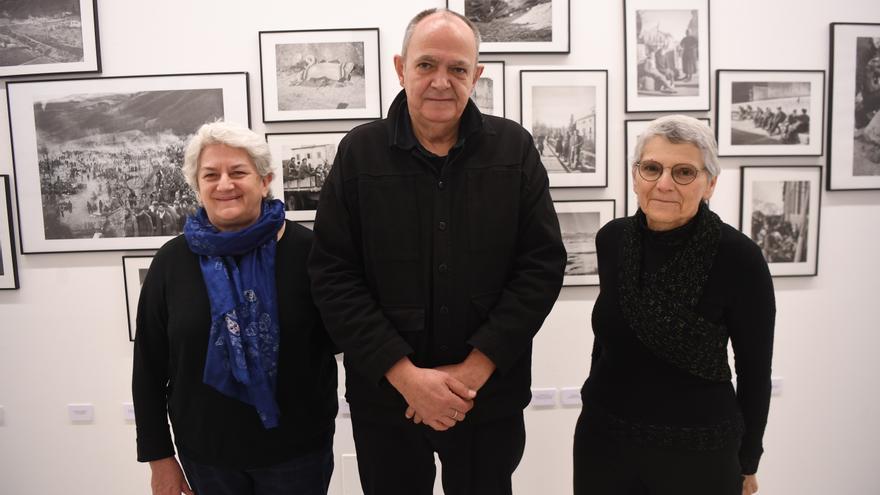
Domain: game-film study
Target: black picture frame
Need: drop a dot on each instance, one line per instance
(82, 178)
(780, 208)
(852, 158)
(741, 132)
(134, 269)
(297, 67)
(22, 58)
(658, 76)
(8, 261)
(528, 39)
(579, 221)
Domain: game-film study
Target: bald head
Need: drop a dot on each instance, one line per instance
(453, 16)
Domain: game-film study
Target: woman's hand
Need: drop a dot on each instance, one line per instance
(167, 478)
(750, 484)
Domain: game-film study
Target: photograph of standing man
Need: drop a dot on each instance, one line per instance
(437, 257)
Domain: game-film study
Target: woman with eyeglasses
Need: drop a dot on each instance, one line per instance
(660, 412)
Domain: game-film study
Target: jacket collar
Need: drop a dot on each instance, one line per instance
(403, 136)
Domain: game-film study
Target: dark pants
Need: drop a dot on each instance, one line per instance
(308, 474)
(605, 466)
(477, 459)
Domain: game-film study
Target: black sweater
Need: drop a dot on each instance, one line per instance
(641, 390)
(169, 359)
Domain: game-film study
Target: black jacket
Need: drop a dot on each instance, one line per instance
(416, 260)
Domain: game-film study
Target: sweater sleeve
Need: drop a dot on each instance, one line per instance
(149, 382)
(750, 324)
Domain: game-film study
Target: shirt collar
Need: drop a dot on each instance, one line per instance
(405, 138)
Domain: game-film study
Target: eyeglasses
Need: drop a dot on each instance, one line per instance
(683, 173)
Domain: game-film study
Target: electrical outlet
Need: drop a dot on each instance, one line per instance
(776, 386)
(128, 412)
(344, 410)
(2, 416)
(81, 413)
(543, 398)
(570, 396)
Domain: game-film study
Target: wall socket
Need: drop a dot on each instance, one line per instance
(81, 413)
(543, 398)
(775, 386)
(128, 412)
(2, 416)
(570, 396)
(344, 410)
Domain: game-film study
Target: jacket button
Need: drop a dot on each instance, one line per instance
(444, 348)
(441, 185)
(444, 310)
(441, 226)
(443, 268)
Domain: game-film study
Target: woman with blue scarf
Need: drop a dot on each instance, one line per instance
(229, 344)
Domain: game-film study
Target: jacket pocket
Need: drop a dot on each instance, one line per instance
(493, 209)
(480, 308)
(390, 217)
(406, 319)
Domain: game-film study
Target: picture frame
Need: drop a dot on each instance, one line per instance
(489, 92)
(746, 130)
(564, 106)
(508, 27)
(297, 69)
(302, 160)
(632, 128)
(853, 157)
(666, 55)
(134, 270)
(97, 161)
(8, 263)
(579, 221)
(779, 210)
(50, 38)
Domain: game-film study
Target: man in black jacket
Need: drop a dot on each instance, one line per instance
(437, 257)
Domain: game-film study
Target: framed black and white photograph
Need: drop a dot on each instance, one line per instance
(8, 265)
(632, 130)
(579, 222)
(48, 37)
(779, 210)
(97, 161)
(666, 46)
(567, 113)
(518, 26)
(302, 161)
(854, 107)
(134, 271)
(489, 92)
(321, 74)
(770, 113)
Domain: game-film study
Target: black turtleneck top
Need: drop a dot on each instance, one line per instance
(641, 397)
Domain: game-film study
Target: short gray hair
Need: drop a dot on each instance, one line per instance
(232, 135)
(411, 27)
(683, 129)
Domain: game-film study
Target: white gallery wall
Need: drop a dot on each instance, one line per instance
(64, 335)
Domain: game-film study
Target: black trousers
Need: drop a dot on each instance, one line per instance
(607, 466)
(398, 457)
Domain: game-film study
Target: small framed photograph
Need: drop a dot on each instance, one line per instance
(779, 210)
(320, 74)
(134, 271)
(49, 37)
(666, 47)
(579, 222)
(517, 26)
(8, 265)
(853, 160)
(97, 161)
(567, 113)
(632, 129)
(302, 161)
(770, 113)
(489, 91)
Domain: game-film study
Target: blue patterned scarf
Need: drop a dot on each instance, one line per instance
(239, 272)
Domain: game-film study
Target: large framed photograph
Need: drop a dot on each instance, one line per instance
(48, 37)
(134, 271)
(666, 47)
(579, 222)
(854, 107)
(770, 113)
(567, 113)
(779, 210)
(8, 265)
(302, 161)
(518, 26)
(97, 161)
(632, 130)
(489, 92)
(321, 74)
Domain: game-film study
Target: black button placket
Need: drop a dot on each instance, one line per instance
(443, 275)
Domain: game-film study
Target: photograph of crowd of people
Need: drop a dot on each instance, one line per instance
(770, 112)
(36, 32)
(109, 163)
(866, 148)
(511, 20)
(320, 76)
(668, 52)
(305, 169)
(780, 219)
(564, 127)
